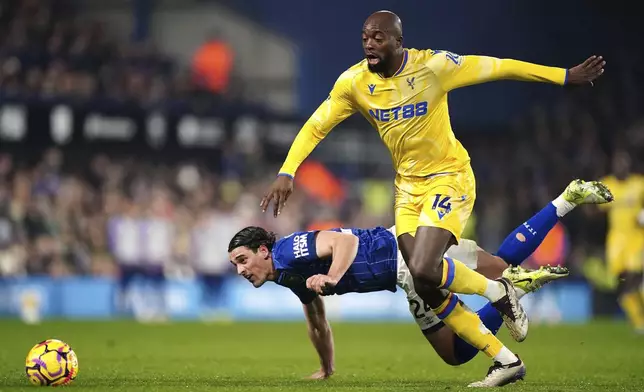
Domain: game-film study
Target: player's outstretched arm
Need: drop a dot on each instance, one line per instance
(454, 71)
(321, 337)
(337, 107)
(342, 248)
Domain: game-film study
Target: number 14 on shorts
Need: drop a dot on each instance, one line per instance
(442, 205)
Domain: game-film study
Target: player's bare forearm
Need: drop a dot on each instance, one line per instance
(320, 334)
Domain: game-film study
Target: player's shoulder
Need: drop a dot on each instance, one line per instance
(426, 56)
(281, 246)
(295, 245)
(353, 72)
(419, 55)
(295, 236)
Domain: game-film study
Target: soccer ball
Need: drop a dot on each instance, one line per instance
(51, 362)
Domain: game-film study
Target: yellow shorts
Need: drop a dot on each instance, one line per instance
(442, 200)
(624, 252)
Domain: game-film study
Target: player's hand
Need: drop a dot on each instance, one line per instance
(321, 284)
(321, 374)
(279, 192)
(587, 71)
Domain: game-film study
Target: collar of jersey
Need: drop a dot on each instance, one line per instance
(402, 66)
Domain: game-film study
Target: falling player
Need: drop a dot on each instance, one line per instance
(355, 260)
(625, 237)
(403, 93)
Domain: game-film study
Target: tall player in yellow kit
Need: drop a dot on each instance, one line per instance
(625, 237)
(403, 94)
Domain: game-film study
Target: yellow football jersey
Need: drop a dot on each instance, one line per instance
(409, 109)
(629, 201)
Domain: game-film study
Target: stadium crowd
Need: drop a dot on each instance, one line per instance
(56, 210)
(47, 51)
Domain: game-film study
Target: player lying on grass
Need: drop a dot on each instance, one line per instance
(340, 261)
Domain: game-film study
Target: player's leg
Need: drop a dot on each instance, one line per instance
(442, 339)
(638, 266)
(624, 261)
(449, 346)
(525, 239)
(447, 205)
(127, 276)
(493, 267)
(445, 306)
(461, 321)
(452, 349)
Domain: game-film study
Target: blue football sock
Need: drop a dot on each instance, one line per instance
(525, 239)
(491, 318)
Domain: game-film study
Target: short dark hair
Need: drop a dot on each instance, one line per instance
(253, 237)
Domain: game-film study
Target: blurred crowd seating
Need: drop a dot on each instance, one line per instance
(46, 51)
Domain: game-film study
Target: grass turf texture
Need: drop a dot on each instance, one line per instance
(115, 356)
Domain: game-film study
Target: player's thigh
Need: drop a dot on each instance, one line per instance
(406, 208)
(633, 254)
(617, 257)
(449, 201)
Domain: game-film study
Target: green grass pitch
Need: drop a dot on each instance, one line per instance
(126, 356)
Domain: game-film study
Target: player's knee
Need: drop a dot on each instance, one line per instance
(426, 275)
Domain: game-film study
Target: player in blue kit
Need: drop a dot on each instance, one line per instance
(339, 261)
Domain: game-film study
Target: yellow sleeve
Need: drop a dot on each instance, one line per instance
(454, 71)
(337, 107)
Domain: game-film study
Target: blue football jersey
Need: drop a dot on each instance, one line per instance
(374, 268)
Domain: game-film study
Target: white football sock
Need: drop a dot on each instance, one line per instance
(505, 356)
(563, 206)
(494, 291)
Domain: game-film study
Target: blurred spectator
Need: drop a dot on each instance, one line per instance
(212, 64)
(45, 52)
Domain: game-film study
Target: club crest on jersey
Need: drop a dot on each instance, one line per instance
(411, 81)
(371, 88)
(400, 112)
